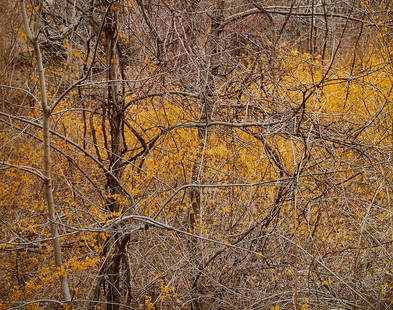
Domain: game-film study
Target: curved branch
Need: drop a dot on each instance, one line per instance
(28, 169)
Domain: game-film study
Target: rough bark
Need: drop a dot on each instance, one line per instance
(116, 287)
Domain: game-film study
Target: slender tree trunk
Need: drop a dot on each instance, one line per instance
(115, 286)
(46, 116)
(203, 135)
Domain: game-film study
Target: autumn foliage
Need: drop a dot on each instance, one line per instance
(201, 154)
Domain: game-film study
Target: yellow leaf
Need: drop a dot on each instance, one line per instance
(258, 254)
(326, 282)
(288, 272)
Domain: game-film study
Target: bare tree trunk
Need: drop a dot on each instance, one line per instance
(206, 109)
(46, 115)
(116, 288)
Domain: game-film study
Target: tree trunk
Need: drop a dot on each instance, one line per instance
(46, 116)
(116, 244)
(203, 135)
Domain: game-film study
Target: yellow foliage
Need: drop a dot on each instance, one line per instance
(355, 98)
(288, 272)
(327, 282)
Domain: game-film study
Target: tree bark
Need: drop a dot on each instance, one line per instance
(46, 117)
(116, 288)
(212, 49)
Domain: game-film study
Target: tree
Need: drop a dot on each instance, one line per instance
(204, 155)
